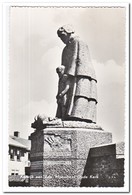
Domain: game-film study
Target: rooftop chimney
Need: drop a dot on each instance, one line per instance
(16, 133)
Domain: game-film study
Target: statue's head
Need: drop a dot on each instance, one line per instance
(60, 70)
(65, 32)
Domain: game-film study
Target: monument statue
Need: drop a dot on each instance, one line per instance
(77, 93)
(60, 146)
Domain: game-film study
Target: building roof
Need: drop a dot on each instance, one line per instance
(20, 142)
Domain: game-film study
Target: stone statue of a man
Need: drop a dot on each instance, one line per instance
(61, 97)
(81, 97)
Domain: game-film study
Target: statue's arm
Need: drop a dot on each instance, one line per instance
(63, 80)
(64, 91)
(72, 58)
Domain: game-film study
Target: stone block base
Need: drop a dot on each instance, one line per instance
(104, 167)
(58, 155)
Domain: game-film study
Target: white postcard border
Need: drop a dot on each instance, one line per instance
(6, 188)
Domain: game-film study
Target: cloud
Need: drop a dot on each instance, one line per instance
(110, 109)
(35, 52)
(25, 115)
(111, 98)
(41, 107)
(109, 72)
(104, 29)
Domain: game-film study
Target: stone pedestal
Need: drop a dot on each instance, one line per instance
(59, 154)
(104, 166)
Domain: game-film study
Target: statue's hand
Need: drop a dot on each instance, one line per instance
(60, 95)
(65, 76)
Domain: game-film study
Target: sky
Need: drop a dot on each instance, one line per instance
(35, 53)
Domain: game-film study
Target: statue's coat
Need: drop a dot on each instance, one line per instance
(82, 96)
